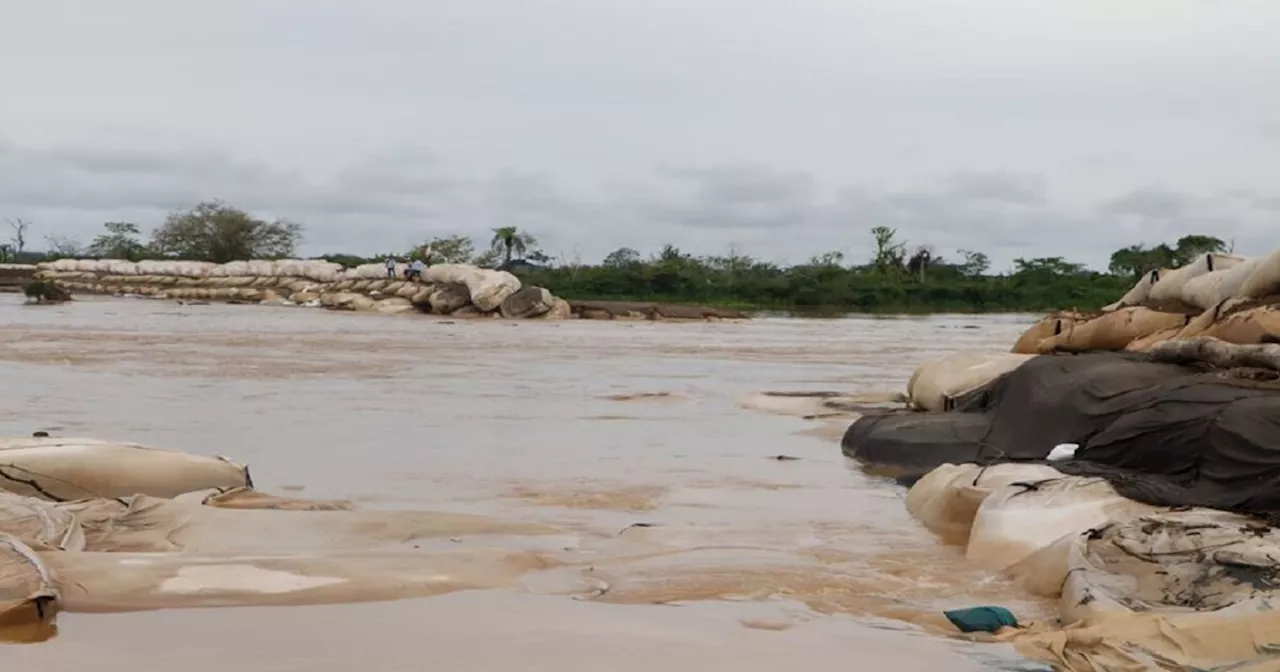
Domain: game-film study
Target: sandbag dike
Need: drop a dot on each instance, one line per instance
(14, 276)
(91, 525)
(459, 290)
(1231, 298)
(1156, 535)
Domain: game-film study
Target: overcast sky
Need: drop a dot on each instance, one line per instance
(783, 128)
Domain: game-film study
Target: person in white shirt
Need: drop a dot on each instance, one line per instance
(415, 270)
(391, 267)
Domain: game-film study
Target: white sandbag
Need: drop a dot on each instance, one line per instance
(488, 288)
(1138, 294)
(946, 499)
(1020, 519)
(234, 269)
(121, 267)
(935, 384)
(1265, 279)
(372, 272)
(152, 267)
(73, 468)
(1210, 289)
(194, 269)
(63, 266)
(1169, 287)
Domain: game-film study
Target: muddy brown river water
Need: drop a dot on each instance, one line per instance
(740, 561)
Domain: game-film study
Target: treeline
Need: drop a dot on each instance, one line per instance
(893, 277)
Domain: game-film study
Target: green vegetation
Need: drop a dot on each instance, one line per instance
(45, 292)
(893, 277)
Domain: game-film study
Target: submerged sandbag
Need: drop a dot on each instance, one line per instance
(140, 581)
(946, 500)
(242, 521)
(60, 469)
(29, 601)
(937, 383)
(1114, 330)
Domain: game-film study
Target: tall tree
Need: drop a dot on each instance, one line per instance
(622, 257)
(452, 249)
(19, 235)
(889, 252)
(121, 241)
(214, 231)
(63, 246)
(975, 263)
(510, 241)
(921, 260)
(1190, 247)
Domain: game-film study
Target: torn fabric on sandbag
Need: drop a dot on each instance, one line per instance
(29, 601)
(39, 524)
(1196, 560)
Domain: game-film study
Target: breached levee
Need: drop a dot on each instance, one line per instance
(448, 289)
(1122, 462)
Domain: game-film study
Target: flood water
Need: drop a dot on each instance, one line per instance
(740, 561)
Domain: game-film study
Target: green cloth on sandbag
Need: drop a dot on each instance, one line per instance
(981, 619)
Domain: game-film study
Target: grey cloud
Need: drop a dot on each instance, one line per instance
(1019, 189)
(727, 197)
(391, 200)
(1152, 202)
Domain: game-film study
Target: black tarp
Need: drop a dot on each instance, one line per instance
(1162, 433)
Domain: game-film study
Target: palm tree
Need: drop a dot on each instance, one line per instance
(508, 241)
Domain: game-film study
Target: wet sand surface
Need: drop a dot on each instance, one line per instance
(583, 428)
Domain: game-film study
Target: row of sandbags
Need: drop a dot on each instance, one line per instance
(1139, 329)
(1207, 281)
(488, 288)
(320, 271)
(1139, 587)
